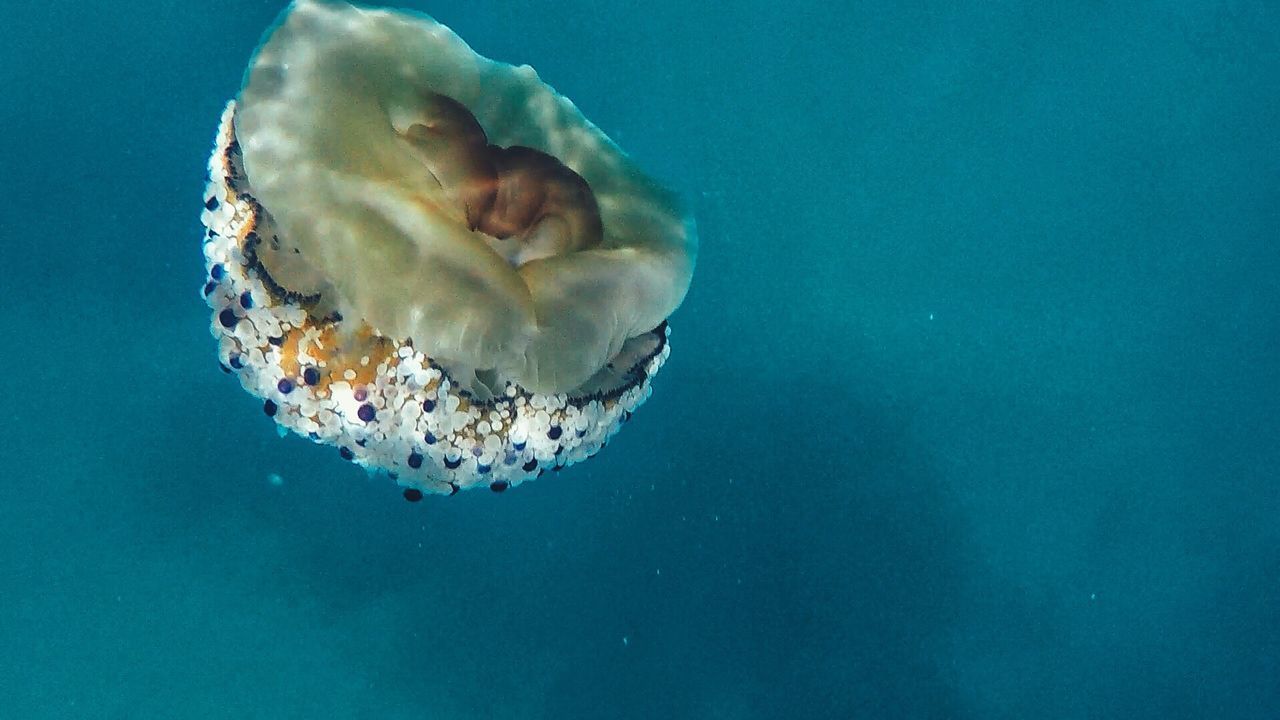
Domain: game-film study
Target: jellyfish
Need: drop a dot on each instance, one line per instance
(429, 259)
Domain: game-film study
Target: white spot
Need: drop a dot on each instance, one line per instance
(275, 479)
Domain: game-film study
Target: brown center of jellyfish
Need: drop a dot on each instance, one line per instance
(524, 197)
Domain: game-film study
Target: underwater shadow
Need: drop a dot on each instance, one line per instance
(810, 560)
(810, 566)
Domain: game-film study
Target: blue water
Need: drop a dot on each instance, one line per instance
(972, 410)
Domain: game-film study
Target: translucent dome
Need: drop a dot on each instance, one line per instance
(432, 259)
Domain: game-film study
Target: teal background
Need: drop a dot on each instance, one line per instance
(971, 412)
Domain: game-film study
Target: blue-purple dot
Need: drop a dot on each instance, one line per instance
(555, 432)
(452, 464)
(367, 412)
(429, 439)
(415, 460)
(227, 318)
(412, 494)
(483, 469)
(246, 300)
(311, 376)
(477, 451)
(499, 485)
(236, 361)
(519, 446)
(345, 453)
(269, 408)
(428, 405)
(211, 204)
(285, 386)
(217, 271)
(529, 466)
(209, 287)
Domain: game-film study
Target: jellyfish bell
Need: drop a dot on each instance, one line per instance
(431, 259)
